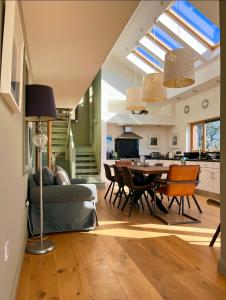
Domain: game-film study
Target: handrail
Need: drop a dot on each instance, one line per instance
(71, 153)
(70, 148)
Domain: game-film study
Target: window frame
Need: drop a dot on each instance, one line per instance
(203, 122)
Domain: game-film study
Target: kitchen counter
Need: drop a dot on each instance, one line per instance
(172, 159)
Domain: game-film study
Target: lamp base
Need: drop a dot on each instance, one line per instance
(37, 248)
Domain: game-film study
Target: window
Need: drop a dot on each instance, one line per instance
(140, 63)
(205, 135)
(182, 33)
(164, 38)
(196, 21)
(148, 43)
(149, 58)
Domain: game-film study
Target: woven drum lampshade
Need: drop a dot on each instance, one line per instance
(179, 68)
(153, 89)
(134, 99)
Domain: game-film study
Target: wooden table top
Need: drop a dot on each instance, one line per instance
(149, 170)
(146, 170)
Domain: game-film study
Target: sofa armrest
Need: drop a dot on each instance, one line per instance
(62, 193)
(78, 180)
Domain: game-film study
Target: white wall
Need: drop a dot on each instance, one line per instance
(197, 113)
(144, 131)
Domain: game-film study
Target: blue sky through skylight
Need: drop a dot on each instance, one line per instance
(195, 18)
(164, 37)
(149, 57)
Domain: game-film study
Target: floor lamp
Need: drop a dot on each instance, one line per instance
(40, 107)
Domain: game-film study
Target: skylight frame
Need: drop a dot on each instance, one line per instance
(211, 45)
(184, 34)
(151, 45)
(140, 63)
(160, 35)
(152, 62)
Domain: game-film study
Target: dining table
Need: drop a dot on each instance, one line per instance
(148, 170)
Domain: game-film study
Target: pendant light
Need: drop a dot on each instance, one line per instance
(134, 97)
(178, 67)
(153, 89)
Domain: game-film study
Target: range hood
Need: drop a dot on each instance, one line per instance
(128, 134)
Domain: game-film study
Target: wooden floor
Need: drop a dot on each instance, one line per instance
(128, 258)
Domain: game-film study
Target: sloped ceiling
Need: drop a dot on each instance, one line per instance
(69, 40)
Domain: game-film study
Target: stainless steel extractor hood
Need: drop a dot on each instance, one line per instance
(129, 134)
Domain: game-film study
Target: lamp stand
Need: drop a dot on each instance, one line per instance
(42, 246)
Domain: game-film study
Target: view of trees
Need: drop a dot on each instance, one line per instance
(209, 132)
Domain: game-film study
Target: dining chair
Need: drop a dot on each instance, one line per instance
(128, 181)
(121, 185)
(180, 182)
(123, 162)
(217, 232)
(111, 178)
(187, 197)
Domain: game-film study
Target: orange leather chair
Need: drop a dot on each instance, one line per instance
(123, 162)
(181, 181)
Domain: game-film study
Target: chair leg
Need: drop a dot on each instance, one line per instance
(131, 205)
(149, 207)
(97, 223)
(197, 204)
(112, 191)
(215, 236)
(171, 202)
(141, 202)
(180, 205)
(126, 201)
(116, 196)
(120, 197)
(189, 205)
(105, 196)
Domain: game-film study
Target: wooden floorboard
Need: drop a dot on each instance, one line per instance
(129, 258)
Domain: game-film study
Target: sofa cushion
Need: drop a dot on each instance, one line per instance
(61, 176)
(47, 176)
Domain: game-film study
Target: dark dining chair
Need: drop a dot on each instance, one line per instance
(121, 185)
(111, 178)
(217, 232)
(128, 181)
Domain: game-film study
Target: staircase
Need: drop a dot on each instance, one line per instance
(85, 161)
(59, 135)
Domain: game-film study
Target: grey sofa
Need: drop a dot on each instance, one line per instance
(66, 207)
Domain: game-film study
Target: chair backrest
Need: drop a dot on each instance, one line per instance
(127, 177)
(118, 175)
(186, 176)
(123, 162)
(107, 172)
(159, 164)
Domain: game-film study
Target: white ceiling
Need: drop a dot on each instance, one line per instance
(69, 40)
(144, 17)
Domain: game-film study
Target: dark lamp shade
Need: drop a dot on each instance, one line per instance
(40, 104)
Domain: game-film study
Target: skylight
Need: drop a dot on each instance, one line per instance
(183, 34)
(140, 63)
(147, 56)
(153, 47)
(165, 38)
(197, 21)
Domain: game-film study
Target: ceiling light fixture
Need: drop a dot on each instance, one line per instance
(153, 89)
(134, 96)
(179, 67)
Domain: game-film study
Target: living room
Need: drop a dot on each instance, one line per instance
(124, 257)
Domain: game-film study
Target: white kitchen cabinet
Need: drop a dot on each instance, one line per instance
(216, 177)
(206, 180)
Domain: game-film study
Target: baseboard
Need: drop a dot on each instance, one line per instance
(18, 270)
(207, 194)
(221, 266)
